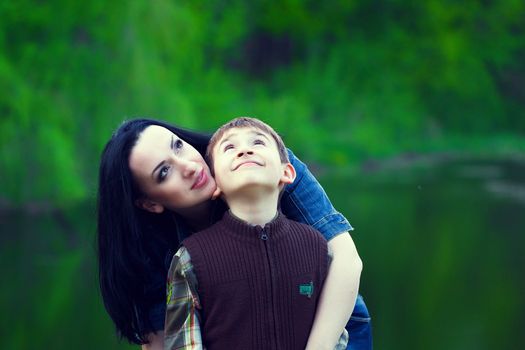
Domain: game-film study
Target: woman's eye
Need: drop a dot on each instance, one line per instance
(259, 142)
(178, 144)
(227, 147)
(163, 172)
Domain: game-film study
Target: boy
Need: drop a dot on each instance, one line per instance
(259, 274)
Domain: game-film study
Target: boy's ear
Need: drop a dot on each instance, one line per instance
(149, 205)
(288, 175)
(217, 193)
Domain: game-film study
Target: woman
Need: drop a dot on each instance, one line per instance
(155, 190)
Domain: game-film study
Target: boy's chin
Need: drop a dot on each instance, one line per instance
(251, 188)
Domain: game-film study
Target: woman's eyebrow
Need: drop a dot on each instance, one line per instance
(158, 166)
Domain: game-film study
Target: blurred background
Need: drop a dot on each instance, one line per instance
(411, 114)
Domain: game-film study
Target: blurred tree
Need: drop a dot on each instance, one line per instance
(356, 79)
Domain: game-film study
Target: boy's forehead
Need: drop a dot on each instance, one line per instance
(233, 132)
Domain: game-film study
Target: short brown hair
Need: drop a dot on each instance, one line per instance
(246, 122)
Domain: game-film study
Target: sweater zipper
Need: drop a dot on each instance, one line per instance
(264, 238)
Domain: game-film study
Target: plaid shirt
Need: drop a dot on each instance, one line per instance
(182, 328)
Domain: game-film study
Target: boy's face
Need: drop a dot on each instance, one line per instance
(247, 159)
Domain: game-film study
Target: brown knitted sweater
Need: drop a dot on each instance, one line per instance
(258, 286)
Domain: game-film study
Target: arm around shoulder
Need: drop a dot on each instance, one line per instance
(306, 201)
(339, 294)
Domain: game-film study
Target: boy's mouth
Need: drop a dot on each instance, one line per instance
(249, 162)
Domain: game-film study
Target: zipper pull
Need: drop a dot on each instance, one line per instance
(264, 236)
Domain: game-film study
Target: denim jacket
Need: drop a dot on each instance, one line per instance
(305, 201)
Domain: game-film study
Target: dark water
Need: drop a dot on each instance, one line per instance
(442, 245)
(443, 248)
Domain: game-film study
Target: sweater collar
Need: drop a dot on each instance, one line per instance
(246, 231)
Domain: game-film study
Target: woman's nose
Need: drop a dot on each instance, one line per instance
(187, 167)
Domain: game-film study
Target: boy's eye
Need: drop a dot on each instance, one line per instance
(163, 172)
(227, 147)
(259, 142)
(178, 144)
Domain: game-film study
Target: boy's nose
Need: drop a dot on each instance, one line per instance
(244, 152)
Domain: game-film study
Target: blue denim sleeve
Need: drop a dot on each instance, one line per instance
(306, 201)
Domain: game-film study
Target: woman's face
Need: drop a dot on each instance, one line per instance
(170, 173)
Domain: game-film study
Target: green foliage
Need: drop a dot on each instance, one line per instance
(341, 80)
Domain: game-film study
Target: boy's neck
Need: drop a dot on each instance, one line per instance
(254, 208)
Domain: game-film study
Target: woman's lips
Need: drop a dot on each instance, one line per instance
(201, 180)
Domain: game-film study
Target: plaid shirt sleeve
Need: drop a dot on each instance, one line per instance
(182, 328)
(342, 343)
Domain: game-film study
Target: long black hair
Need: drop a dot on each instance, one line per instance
(129, 237)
